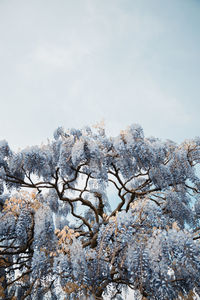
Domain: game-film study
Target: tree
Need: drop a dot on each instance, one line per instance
(87, 215)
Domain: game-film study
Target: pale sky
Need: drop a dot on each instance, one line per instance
(73, 63)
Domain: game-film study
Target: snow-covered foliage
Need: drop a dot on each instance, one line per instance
(59, 237)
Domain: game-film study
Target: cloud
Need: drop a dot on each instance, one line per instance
(60, 57)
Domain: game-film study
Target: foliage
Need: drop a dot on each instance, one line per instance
(86, 216)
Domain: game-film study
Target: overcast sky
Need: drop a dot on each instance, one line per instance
(75, 62)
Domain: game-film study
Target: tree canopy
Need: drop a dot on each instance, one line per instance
(87, 216)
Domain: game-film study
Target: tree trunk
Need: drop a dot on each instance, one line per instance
(3, 284)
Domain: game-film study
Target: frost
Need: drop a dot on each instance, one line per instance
(78, 152)
(101, 214)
